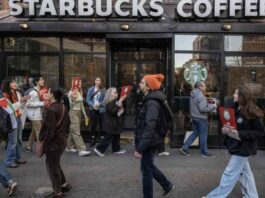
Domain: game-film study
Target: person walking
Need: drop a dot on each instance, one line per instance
(14, 147)
(75, 141)
(147, 138)
(34, 111)
(112, 123)
(7, 181)
(241, 144)
(199, 109)
(54, 132)
(95, 97)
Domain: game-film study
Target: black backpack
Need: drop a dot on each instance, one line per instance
(5, 122)
(165, 119)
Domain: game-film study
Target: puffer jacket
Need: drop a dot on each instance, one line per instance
(146, 135)
(249, 131)
(34, 105)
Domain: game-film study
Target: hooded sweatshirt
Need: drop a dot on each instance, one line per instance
(199, 108)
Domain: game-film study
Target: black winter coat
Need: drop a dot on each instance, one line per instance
(249, 131)
(112, 124)
(146, 135)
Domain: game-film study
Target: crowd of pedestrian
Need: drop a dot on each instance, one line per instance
(56, 121)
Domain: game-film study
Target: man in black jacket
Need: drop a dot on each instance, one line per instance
(147, 138)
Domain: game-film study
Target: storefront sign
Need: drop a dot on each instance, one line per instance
(194, 72)
(87, 8)
(139, 8)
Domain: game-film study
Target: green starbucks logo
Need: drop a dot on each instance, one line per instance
(194, 72)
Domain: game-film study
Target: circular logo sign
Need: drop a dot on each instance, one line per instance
(195, 71)
(227, 115)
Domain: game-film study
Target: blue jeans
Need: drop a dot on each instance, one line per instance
(5, 177)
(200, 128)
(14, 145)
(150, 171)
(238, 169)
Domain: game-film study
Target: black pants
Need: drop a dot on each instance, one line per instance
(150, 171)
(161, 147)
(109, 138)
(96, 118)
(54, 169)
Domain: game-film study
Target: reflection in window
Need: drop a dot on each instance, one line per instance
(190, 68)
(198, 42)
(88, 67)
(35, 44)
(24, 68)
(79, 44)
(245, 70)
(245, 43)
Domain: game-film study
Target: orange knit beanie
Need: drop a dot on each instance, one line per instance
(154, 81)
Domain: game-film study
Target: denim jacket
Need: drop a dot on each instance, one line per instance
(91, 101)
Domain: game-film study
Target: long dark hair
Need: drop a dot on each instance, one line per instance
(247, 103)
(6, 87)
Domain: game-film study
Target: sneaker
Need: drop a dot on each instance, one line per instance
(98, 152)
(20, 161)
(66, 188)
(185, 152)
(84, 153)
(163, 153)
(28, 149)
(72, 150)
(122, 151)
(169, 190)
(13, 165)
(208, 155)
(12, 188)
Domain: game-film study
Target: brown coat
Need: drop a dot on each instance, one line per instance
(55, 137)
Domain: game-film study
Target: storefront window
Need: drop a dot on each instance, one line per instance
(198, 42)
(79, 44)
(32, 44)
(88, 67)
(24, 68)
(190, 68)
(245, 43)
(248, 71)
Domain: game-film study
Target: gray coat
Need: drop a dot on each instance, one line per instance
(199, 108)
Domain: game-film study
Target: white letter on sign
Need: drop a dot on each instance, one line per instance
(156, 8)
(108, 8)
(208, 8)
(15, 9)
(138, 8)
(85, 8)
(67, 8)
(180, 8)
(235, 5)
(118, 9)
(251, 8)
(219, 6)
(47, 6)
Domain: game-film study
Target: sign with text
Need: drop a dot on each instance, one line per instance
(227, 117)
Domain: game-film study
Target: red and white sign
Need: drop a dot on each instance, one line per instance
(125, 90)
(76, 83)
(227, 117)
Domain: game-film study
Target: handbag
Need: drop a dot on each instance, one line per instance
(39, 149)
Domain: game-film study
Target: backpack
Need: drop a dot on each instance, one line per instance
(166, 119)
(5, 122)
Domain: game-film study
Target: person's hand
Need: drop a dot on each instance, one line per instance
(24, 99)
(137, 155)
(226, 130)
(122, 98)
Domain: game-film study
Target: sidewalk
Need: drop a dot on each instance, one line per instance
(115, 176)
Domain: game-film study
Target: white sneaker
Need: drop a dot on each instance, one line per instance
(164, 153)
(84, 153)
(122, 151)
(12, 188)
(72, 150)
(98, 152)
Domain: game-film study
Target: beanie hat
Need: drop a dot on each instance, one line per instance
(154, 81)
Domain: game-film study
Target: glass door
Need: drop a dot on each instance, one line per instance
(130, 65)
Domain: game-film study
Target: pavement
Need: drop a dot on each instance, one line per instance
(118, 176)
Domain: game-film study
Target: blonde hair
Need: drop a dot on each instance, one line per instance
(108, 96)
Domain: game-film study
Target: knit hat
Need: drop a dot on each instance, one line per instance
(154, 81)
